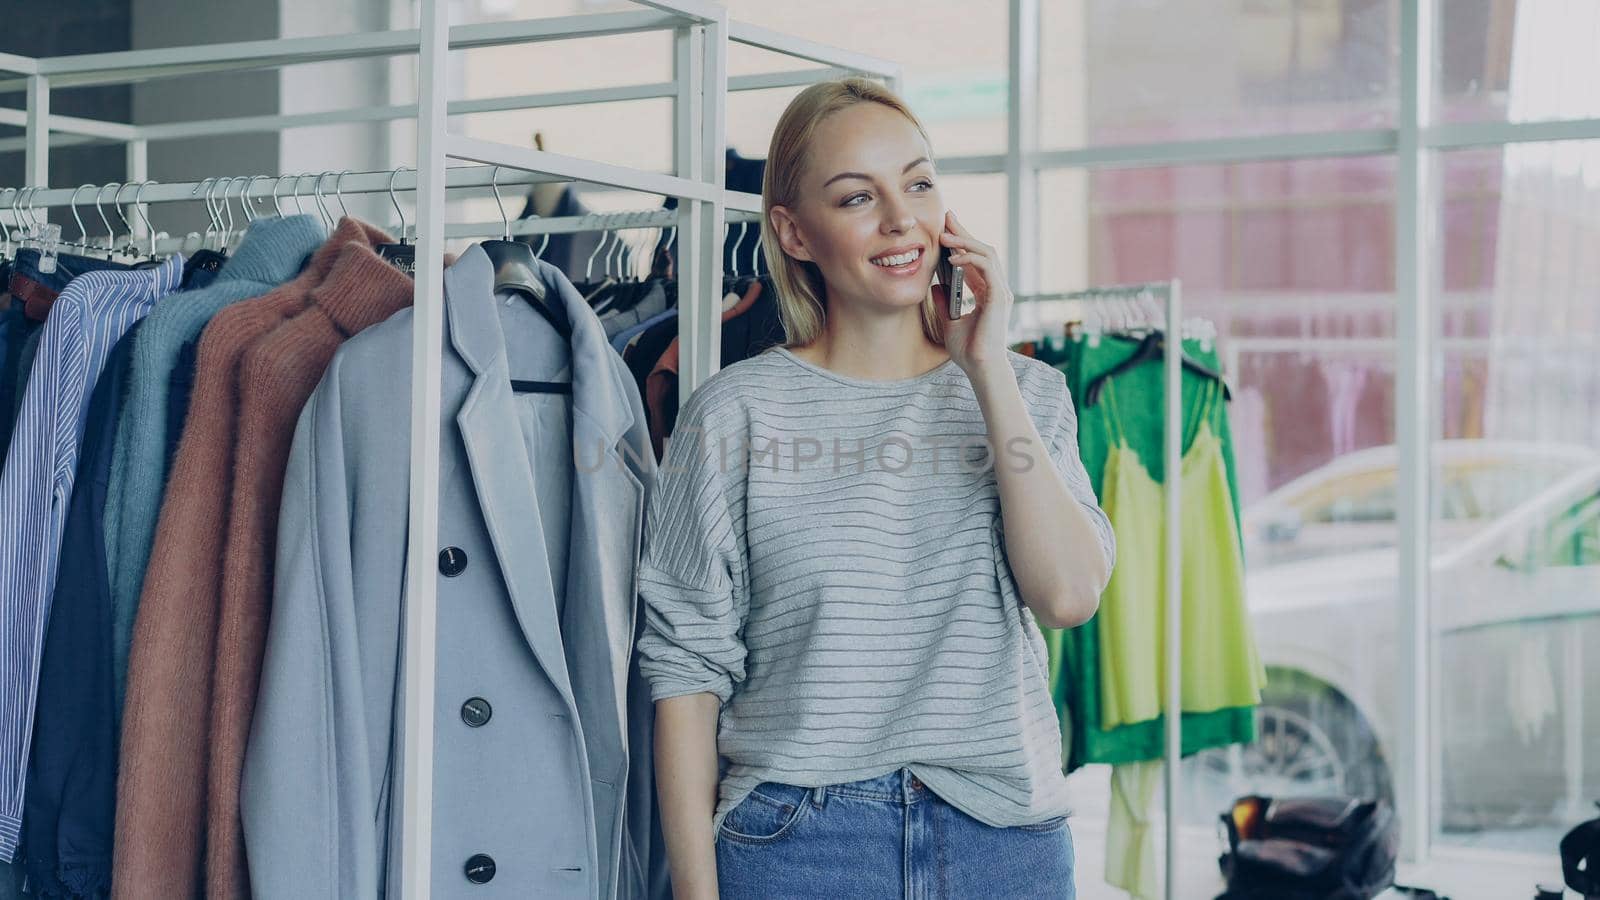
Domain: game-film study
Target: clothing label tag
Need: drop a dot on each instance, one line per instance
(49, 241)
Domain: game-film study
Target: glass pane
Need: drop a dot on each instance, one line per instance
(953, 61)
(1118, 72)
(1511, 61)
(1516, 597)
(1293, 262)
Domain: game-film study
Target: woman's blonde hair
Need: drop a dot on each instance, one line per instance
(802, 294)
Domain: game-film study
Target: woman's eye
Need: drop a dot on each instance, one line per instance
(925, 183)
(850, 200)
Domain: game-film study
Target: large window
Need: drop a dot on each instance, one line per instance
(1516, 603)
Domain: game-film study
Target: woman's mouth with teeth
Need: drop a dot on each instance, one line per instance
(897, 260)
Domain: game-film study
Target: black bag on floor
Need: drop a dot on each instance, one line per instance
(1309, 848)
(1580, 858)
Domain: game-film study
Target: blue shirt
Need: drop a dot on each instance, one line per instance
(84, 324)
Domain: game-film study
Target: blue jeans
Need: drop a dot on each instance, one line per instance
(884, 838)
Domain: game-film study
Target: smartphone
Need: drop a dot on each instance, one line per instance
(952, 277)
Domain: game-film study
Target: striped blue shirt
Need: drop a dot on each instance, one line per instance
(36, 485)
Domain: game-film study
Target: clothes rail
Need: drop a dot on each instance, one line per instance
(330, 184)
(614, 221)
(1170, 293)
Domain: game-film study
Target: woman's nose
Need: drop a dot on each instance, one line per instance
(897, 217)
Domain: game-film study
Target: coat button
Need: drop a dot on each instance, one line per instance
(480, 868)
(452, 561)
(476, 711)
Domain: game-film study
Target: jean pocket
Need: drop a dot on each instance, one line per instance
(767, 814)
(1048, 825)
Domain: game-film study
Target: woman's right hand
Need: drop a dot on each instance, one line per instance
(686, 788)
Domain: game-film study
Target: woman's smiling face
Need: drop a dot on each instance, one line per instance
(869, 200)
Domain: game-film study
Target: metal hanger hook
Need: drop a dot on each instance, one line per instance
(250, 207)
(111, 234)
(72, 204)
(141, 212)
(278, 181)
(225, 208)
(339, 195)
(116, 204)
(396, 201)
(316, 192)
(494, 185)
(206, 197)
(296, 195)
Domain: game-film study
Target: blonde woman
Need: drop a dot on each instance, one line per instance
(852, 543)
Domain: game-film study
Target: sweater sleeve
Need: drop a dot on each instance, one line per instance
(691, 577)
(1063, 441)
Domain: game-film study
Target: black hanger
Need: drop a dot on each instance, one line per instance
(1151, 347)
(515, 269)
(402, 256)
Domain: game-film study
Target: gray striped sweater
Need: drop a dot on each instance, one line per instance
(825, 554)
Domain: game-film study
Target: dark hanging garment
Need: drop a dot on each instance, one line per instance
(744, 175)
(570, 252)
(72, 772)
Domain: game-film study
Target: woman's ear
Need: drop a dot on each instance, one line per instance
(788, 232)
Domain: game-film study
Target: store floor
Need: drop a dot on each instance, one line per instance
(1458, 874)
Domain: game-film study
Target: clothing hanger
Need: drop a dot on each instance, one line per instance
(594, 291)
(661, 265)
(626, 294)
(1151, 347)
(515, 269)
(207, 258)
(402, 256)
(111, 234)
(139, 210)
(127, 251)
(83, 233)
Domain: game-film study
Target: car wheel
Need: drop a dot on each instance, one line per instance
(1310, 740)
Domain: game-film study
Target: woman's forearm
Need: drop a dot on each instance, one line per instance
(686, 786)
(1051, 542)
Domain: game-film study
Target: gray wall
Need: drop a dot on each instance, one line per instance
(77, 26)
(167, 23)
(96, 26)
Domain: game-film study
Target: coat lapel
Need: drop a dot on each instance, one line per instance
(487, 420)
(587, 655)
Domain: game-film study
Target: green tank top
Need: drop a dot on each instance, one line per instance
(1075, 653)
(1220, 666)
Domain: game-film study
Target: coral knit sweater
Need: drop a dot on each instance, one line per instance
(161, 783)
(276, 378)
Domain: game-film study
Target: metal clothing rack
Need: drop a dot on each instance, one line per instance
(1170, 294)
(701, 32)
(24, 204)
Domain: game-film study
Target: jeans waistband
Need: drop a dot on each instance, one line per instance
(899, 786)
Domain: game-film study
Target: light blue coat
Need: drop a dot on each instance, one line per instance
(540, 621)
